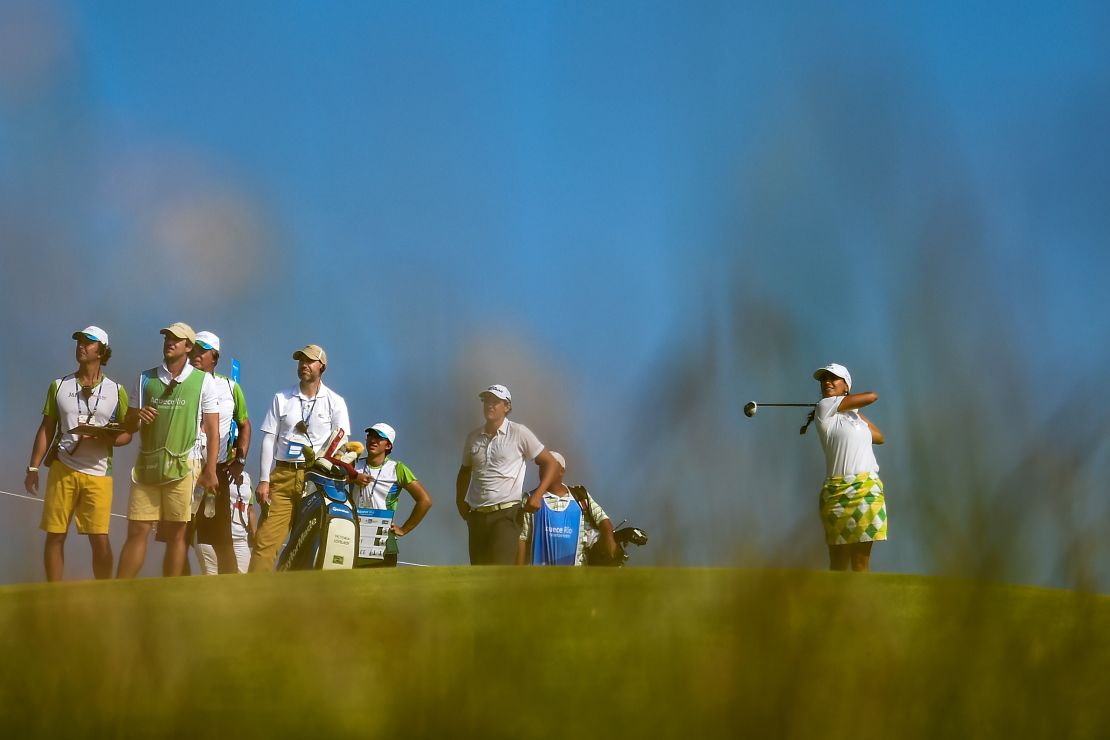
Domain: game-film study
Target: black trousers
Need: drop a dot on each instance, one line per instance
(494, 536)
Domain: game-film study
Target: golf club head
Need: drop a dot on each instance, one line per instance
(750, 408)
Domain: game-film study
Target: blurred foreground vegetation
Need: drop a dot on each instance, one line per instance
(493, 652)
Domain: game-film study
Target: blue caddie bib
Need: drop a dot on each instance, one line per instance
(555, 534)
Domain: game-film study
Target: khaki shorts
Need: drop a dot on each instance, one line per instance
(171, 502)
(71, 493)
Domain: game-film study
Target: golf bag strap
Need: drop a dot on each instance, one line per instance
(581, 496)
(55, 443)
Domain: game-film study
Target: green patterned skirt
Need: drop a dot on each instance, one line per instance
(853, 509)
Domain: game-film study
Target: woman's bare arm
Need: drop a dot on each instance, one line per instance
(854, 401)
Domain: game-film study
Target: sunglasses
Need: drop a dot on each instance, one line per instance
(169, 389)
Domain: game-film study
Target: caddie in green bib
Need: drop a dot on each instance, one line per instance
(165, 446)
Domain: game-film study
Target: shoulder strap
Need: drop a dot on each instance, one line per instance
(581, 496)
(115, 394)
(58, 394)
(54, 443)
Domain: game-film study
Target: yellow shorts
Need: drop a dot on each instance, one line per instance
(171, 502)
(70, 492)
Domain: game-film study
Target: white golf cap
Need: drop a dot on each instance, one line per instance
(838, 370)
(383, 430)
(93, 334)
(559, 459)
(207, 340)
(498, 390)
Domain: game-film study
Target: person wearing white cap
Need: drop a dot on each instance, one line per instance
(379, 485)
(222, 538)
(853, 507)
(565, 525)
(79, 482)
(490, 483)
(305, 415)
(175, 402)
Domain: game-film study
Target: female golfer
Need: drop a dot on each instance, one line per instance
(853, 509)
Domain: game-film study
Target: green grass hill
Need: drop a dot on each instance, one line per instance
(554, 653)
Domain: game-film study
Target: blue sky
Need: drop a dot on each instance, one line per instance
(573, 198)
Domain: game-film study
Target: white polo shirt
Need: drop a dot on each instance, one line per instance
(846, 439)
(322, 415)
(209, 400)
(498, 463)
(230, 396)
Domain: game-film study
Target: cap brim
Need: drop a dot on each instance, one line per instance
(203, 345)
(90, 337)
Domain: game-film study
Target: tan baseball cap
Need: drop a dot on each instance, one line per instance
(180, 330)
(312, 352)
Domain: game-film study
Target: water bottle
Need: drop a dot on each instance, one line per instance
(209, 504)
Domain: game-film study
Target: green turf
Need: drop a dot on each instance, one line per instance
(554, 652)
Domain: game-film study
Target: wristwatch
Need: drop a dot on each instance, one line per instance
(32, 469)
(242, 460)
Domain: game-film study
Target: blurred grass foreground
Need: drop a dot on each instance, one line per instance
(554, 652)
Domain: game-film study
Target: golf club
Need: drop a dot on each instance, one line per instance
(751, 407)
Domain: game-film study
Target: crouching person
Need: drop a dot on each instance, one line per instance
(565, 525)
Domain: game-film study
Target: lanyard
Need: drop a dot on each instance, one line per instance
(81, 393)
(305, 417)
(303, 426)
(369, 497)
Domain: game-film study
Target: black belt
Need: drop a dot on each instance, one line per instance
(290, 464)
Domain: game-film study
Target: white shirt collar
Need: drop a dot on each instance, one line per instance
(164, 373)
(321, 391)
(503, 429)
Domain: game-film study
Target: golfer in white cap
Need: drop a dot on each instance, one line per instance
(79, 482)
(490, 483)
(214, 534)
(853, 507)
(379, 484)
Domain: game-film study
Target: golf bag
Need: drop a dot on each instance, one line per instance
(325, 528)
(324, 535)
(595, 553)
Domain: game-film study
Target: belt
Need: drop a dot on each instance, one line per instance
(490, 508)
(291, 464)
